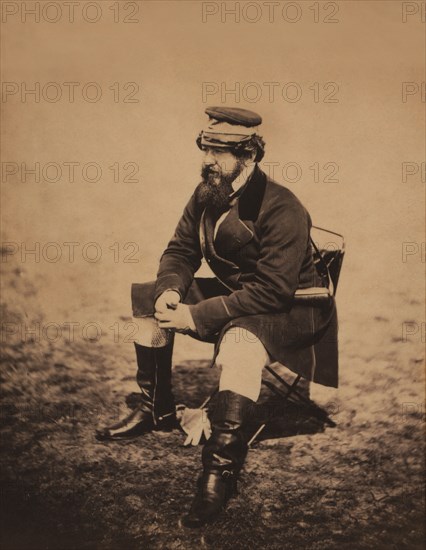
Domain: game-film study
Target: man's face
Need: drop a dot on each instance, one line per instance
(219, 165)
(219, 169)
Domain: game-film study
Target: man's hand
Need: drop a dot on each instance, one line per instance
(169, 299)
(179, 319)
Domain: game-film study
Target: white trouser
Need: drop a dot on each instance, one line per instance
(241, 356)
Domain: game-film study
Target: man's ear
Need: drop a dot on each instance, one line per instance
(249, 160)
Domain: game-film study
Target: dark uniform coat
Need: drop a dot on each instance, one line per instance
(261, 255)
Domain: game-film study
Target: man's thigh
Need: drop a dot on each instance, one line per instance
(240, 346)
(201, 288)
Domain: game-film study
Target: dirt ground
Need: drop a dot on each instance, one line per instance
(305, 485)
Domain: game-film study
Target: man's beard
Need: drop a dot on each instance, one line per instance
(216, 195)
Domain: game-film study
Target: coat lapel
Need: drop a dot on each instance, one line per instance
(233, 233)
(207, 242)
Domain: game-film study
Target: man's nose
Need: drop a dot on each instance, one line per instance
(209, 158)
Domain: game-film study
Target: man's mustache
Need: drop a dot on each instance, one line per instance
(208, 171)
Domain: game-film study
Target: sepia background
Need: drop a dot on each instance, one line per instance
(340, 87)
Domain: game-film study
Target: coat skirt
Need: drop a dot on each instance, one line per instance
(303, 339)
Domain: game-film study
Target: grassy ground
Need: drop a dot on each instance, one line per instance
(305, 485)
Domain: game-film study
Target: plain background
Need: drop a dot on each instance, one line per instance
(170, 53)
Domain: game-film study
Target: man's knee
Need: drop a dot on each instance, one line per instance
(240, 349)
(149, 334)
(241, 357)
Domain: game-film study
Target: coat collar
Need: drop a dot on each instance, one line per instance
(239, 184)
(251, 197)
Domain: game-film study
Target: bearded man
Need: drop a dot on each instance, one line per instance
(255, 236)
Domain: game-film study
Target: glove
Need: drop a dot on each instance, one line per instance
(195, 423)
(169, 298)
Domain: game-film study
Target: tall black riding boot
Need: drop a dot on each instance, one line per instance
(156, 410)
(223, 457)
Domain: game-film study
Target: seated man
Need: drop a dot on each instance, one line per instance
(255, 236)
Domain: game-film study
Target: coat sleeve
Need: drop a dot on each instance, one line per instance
(284, 237)
(182, 257)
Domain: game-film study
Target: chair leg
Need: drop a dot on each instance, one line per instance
(320, 413)
(280, 394)
(256, 435)
(291, 387)
(209, 398)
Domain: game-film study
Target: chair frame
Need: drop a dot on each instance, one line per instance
(291, 392)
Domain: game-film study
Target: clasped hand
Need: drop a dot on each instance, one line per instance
(170, 313)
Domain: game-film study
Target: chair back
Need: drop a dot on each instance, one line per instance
(328, 252)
